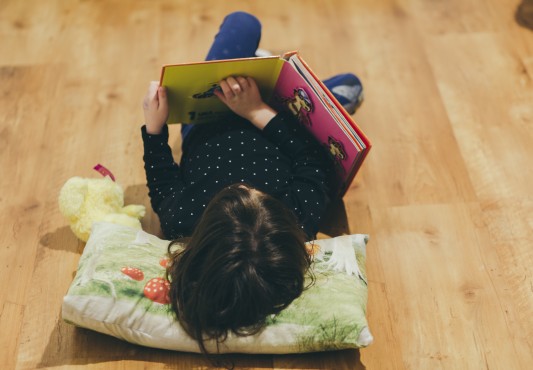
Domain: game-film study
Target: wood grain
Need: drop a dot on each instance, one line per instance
(446, 193)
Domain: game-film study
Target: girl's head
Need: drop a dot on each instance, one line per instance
(245, 261)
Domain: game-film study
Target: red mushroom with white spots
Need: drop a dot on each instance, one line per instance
(156, 290)
(134, 273)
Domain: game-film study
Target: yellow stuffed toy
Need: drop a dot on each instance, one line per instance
(85, 201)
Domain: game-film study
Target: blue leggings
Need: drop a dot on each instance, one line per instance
(238, 37)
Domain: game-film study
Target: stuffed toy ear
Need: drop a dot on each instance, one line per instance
(72, 196)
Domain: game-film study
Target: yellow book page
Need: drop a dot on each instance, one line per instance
(190, 86)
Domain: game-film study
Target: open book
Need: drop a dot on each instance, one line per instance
(287, 84)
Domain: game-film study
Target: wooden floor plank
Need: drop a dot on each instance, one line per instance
(432, 249)
(10, 321)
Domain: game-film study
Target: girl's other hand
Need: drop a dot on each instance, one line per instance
(155, 106)
(242, 96)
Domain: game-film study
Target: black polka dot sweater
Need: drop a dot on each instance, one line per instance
(281, 160)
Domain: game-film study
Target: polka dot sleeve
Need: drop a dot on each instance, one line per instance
(163, 175)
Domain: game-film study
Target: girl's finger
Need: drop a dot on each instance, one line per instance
(251, 82)
(228, 92)
(152, 89)
(162, 96)
(234, 85)
(219, 94)
(151, 93)
(154, 101)
(243, 82)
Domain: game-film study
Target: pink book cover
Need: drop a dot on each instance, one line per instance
(293, 94)
(360, 134)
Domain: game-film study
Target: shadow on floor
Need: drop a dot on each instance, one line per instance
(138, 194)
(62, 239)
(524, 14)
(69, 345)
(335, 221)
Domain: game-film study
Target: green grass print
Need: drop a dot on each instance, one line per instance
(326, 327)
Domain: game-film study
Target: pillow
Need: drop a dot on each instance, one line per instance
(119, 289)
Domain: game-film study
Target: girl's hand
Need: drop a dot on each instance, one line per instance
(242, 96)
(155, 106)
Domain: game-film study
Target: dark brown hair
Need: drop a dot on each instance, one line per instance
(245, 260)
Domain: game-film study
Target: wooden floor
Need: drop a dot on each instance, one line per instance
(446, 193)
